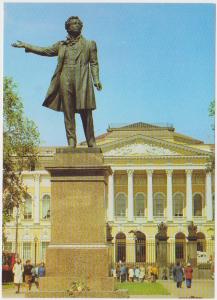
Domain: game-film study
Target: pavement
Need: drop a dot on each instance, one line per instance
(199, 289)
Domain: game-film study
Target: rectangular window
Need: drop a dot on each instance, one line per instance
(44, 246)
(26, 251)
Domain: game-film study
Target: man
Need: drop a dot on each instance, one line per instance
(28, 274)
(71, 89)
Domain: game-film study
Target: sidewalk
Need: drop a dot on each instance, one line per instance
(10, 292)
(199, 289)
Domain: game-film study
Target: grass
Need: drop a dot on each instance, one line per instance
(145, 288)
(8, 285)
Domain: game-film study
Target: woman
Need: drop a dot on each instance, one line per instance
(131, 273)
(142, 274)
(188, 275)
(18, 274)
(154, 273)
(41, 270)
(178, 275)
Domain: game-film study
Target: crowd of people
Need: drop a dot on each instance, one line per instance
(135, 273)
(27, 273)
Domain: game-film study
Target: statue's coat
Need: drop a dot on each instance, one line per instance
(86, 64)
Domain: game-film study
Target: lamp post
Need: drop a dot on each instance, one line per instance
(35, 240)
(16, 234)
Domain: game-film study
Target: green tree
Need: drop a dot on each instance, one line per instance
(212, 112)
(20, 148)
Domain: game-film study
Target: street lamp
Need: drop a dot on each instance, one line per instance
(16, 232)
(35, 240)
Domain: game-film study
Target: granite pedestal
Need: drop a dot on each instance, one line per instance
(192, 252)
(78, 250)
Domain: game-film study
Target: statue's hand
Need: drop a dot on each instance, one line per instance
(18, 44)
(98, 85)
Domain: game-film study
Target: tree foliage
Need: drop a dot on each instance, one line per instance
(20, 147)
(212, 112)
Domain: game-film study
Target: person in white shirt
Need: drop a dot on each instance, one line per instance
(18, 274)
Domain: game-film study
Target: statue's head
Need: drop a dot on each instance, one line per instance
(73, 25)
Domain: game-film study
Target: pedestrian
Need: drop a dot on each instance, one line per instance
(118, 272)
(35, 276)
(164, 274)
(41, 270)
(131, 273)
(18, 274)
(28, 274)
(154, 273)
(149, 272)
(123, 273)
(136, 273)
(188, 275)
(178, 275)
(141, 273)
(114, 273)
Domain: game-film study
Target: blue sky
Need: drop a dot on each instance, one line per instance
(156, 63)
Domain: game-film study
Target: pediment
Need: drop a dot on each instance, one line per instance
(141, 145)
(140, 149)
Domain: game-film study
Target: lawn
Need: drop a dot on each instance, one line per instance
(8, 285)
(145, 288)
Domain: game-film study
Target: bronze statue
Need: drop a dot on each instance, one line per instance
(109, 236)
(71, 88)
(192, 231)
(162, 232)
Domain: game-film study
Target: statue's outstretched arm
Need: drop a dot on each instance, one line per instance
(44, 51)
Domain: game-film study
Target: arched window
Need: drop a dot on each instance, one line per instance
(201, 242)
(46, 207)
(159, 199)
(28, 207)
(178, 204)
(197, 205)
(120, 247)
(140, 247)
(180, 243)
(121, 204)
(139, 205)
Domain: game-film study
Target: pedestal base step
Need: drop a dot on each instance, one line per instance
(64, 283)
(89, 294)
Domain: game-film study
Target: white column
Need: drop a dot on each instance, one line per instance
(37, 198)
(189, 194)
(169, 195)
(150, 195)
(130, 195)
(111, 198)
(209, 210)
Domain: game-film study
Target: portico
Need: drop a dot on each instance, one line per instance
(150, 189)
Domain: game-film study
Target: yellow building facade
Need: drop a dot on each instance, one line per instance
(158, 176)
